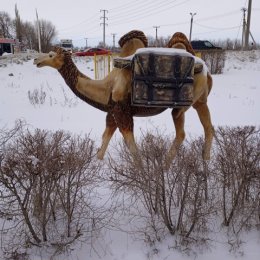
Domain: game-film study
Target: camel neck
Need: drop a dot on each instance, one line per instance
(71, 74)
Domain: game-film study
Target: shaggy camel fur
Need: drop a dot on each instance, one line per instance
(104, 94)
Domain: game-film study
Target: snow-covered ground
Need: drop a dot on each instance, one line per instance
(233, 101)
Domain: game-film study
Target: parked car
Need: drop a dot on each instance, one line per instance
(204, 45)
(92, 52)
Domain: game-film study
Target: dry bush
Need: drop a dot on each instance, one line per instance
(238, 176)
(173, 201)
(191, 197)
(37, 97)
(215, 60)
(47, 183)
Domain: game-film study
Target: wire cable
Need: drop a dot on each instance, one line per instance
(152, 12)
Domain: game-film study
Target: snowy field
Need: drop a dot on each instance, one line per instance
(234, 101)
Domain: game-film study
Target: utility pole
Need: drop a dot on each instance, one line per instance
(244, 27)
(86, 42)
(38, 32)
(104, 25)
(156, 35)
(191, 23)
(248, 23)
(114, 43)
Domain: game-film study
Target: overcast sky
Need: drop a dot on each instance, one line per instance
(80, 19)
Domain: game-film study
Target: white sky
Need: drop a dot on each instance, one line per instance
(80, 19)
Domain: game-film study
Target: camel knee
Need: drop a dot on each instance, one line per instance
(106, 137)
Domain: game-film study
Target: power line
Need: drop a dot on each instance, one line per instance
(244, 26)
(191, 22)
(214, 31)
(114, 35)
(248, 23)
(82, 22)
(156, 35)
(125, 6)
(152, 12)
(217, 28)
(104, 25)
(139, 9)
(239, 28)
(218, 16)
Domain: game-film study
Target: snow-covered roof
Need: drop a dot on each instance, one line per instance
(164, 51)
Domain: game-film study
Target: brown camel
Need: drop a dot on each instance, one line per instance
(104, 94)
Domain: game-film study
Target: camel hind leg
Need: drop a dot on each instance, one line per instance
(107, 135)
(205, 119)
(178, 119)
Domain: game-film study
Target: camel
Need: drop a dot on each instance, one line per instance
(112, 95)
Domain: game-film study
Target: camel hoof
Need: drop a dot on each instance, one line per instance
(100, 155)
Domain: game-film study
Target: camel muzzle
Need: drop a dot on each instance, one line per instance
(37, 62)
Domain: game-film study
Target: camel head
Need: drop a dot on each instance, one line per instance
(132, 41)
(54, 59)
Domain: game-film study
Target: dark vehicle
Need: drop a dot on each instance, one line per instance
(92, 52)
(204, 45)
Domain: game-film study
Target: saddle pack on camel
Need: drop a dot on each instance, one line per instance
(161, 77)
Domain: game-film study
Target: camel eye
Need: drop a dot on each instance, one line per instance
(50, 55)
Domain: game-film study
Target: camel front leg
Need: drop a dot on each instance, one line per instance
(205, 119)
(125, 123)
(128, 136)
(107, 135)
(178, 119)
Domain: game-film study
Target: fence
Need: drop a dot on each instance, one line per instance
(103, 64)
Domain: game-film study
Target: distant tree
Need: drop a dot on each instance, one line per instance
(101, 45)
(18, 25)
(47, 33)
(30, 40)
(161, 41)
(6, 25)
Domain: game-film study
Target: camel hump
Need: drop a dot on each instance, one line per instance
(180, 37)
(131, 35)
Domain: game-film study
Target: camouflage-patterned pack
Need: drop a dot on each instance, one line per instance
(162, 78)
